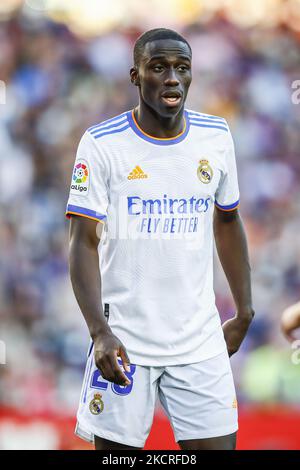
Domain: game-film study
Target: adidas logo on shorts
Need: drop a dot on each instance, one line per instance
(137, 173)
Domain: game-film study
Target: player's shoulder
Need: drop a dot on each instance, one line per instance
(109, 127)
(207, 121)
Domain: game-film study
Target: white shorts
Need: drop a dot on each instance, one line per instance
(199, 400)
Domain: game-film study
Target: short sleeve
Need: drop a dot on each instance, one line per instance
(88, 195)
(227, 195)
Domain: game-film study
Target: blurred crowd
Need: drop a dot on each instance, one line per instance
(57, 85)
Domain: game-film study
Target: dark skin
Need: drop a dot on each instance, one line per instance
(86, 282)
(232, 249)
(165, 67)
(163, 77)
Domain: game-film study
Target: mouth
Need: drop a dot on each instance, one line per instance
(171, 98)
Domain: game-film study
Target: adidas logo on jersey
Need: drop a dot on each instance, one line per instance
(137, 173)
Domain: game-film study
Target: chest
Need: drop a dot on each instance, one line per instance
(174, 172)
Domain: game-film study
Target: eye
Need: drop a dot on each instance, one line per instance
(183, 68)
(158, 68)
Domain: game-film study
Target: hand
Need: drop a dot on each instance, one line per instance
(107, 348)
(290, 321)
(235, 330)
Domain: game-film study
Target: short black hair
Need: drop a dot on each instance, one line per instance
(153, 35)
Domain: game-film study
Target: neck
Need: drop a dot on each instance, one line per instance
(158, 126)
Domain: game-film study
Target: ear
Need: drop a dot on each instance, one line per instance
(134, 76)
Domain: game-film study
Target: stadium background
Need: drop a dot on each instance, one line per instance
(63, 67)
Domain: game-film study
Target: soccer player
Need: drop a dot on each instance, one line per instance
(154, 185)
(290, 321)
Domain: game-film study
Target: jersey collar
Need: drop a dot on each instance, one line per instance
(157, 140)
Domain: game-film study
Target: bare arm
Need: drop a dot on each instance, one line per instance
(86, 282)
(232, 249)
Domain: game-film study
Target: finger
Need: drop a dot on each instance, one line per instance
(110, 369)
(104, 365)
(125, 359)
(119, 376)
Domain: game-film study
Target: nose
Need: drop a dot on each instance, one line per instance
(171, 78)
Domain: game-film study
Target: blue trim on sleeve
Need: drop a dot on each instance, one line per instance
(205, 116)
(110, 126)
(104, 123)
(208, 126)
(229, 207)
(194, 120)
(114, 131)
(71, 209)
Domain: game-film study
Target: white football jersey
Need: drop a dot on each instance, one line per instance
(156, 197)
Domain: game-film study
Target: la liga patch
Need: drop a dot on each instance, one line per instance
(80, 178)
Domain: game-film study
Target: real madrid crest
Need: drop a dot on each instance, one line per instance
(204, 172)
(96, 405)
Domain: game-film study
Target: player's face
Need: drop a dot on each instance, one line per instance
(164, 75)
